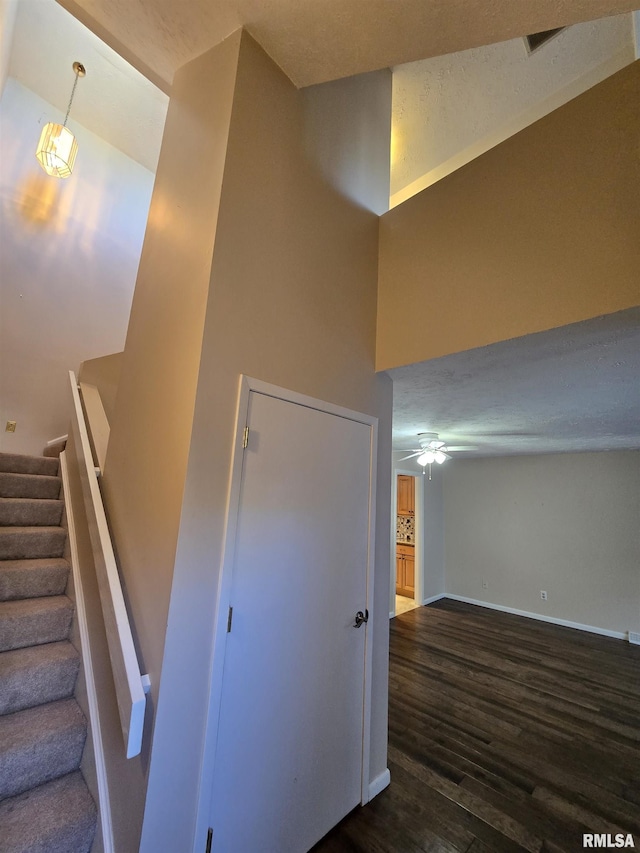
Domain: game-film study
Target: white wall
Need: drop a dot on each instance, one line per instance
(450, 109)
(8, 10)
(70, 253)
(434, 531)
(564, 523)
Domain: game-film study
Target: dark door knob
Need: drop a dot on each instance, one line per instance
(360, 618)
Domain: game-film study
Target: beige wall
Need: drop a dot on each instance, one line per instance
(537, 233)
(565, 523)
(292, 302)
(104, 373)
(68, 264)
(146, 461)
(287, 274)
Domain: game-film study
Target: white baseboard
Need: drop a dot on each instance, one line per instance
(565, 623)
(379, 784)
(104, 804)
(434, 598)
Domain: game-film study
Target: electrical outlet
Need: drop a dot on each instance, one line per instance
(11, 426)
(634, 638)
(485, 584)
(543, 594)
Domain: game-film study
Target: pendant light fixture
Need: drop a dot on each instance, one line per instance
(58, 147)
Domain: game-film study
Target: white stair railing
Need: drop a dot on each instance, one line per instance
(130, 685)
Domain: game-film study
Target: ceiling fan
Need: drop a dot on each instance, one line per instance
(432, 449)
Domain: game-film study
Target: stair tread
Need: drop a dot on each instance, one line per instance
(22, 512)
(56, 817)
(31, 621)
(33, 578)
(29, 606)
(16, 485)
(39, 744)
(39, 563)
(20, 463)
(31, 542)
(48, 671)
(35, 530)
(35, 501)
(33, 656)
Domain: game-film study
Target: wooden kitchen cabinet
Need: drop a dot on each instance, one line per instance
(406, 495)
(405, 570)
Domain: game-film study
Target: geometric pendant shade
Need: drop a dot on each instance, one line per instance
(57, 150)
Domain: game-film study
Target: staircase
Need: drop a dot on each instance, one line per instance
(45, 806)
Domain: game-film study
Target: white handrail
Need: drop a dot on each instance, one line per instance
(128, 681)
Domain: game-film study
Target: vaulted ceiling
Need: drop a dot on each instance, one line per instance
(318, 40)
(572, 389)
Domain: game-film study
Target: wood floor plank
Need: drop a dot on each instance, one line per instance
(505, 735)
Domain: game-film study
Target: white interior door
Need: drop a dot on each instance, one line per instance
(288, 763)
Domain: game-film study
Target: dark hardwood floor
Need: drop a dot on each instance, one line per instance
(505, 734)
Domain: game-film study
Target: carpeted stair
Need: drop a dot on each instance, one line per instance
(45, 806)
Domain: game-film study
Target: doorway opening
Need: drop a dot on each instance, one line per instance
(407, 558)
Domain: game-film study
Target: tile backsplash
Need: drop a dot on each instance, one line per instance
(405, 529)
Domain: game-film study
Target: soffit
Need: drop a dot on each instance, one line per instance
(318, 40)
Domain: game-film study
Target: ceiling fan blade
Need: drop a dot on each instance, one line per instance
(411, 456)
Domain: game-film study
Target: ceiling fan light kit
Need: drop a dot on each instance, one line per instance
(431, 450)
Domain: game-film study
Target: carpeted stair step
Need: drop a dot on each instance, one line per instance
(37, 674)
(32, 621)
(55, 449)
(28, 486)
(39, 744)
(58, 817)
(32, 578)
(16, 463)
(31, 543)
(30, 512)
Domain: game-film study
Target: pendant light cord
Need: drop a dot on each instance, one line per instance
(73, 91)
(79, 71)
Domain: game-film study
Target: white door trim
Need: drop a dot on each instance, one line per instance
(246, 386)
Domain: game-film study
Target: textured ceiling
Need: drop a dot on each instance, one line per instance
(449, 109)
(569, 389)
(318, 40)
